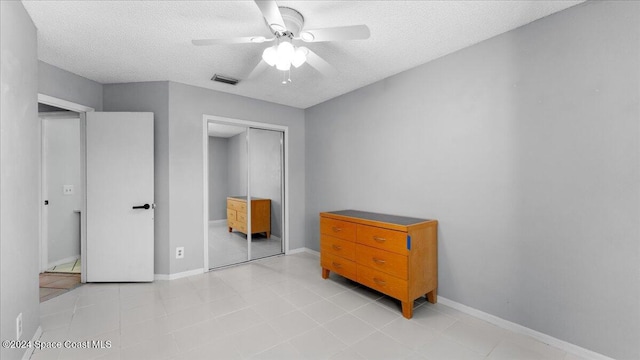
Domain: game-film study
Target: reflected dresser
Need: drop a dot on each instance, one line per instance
(260, 215)
(395, 255)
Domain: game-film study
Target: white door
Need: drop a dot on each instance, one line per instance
(119, 208)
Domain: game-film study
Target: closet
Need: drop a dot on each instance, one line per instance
(245, 193)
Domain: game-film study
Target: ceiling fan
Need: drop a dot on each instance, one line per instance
(287, 25)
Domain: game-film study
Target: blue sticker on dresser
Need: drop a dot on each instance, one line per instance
(408, 242)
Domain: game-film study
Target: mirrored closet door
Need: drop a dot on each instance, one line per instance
(245, 172)
(265, 188)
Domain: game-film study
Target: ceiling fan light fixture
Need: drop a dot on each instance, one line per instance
(307, 36)
(285, 50)
(299, 57)
(286, 24)
(283, 64)
(285, 55)
(270, 55)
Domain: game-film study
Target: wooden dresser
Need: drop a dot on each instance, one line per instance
(395, 255)
(260, 215)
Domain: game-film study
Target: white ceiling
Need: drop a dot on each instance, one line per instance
(132, 41)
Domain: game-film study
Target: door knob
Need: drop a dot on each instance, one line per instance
(145, 206)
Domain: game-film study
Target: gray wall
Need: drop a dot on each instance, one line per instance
(19, 175)
(525, 148)
(62, 148)
(65, 85)
(218, 184)
(265, 162)
(179, 111)
(187, 104)
(152, 97)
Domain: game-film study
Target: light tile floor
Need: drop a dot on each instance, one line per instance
(229, 248)
(274, 308)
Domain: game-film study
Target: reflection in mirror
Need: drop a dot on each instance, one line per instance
(265, 180)
(242, 160)
(227, 157)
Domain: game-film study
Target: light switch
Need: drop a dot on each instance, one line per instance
(67, 189)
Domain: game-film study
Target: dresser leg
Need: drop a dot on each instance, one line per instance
(407, 309)
(325, 273)
(230, 229)
(432, 296)
(268, 234)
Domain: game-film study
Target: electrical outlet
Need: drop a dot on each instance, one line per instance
(19, 326)
(179, 252)
(67, 189)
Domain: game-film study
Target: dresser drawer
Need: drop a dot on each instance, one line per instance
(231, 215)
(385, 261)
(242, 217)
(340, 247)
(390, 240)
(336, 228)
(385, 283)
(240, 206)
(235, 224)
(338, 265)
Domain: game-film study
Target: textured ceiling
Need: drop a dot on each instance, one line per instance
(132, 41)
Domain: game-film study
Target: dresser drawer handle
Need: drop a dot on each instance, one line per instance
(379, 282)
(379, 261)
(338, 265)
(379, 239)
(336, 247)
(336, 229)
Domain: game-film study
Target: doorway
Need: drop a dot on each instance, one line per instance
(245, 191)
(60, 265)
(100, 135)
(62, 190)
(61, 193)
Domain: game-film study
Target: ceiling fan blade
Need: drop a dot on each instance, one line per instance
(318, 63)
(353, 32)
(271, 13)
(238, 40)
(262, 66)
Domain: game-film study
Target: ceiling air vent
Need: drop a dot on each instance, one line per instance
(224, 79)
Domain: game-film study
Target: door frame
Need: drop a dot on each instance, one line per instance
(44, 188)
(205, 175)
(81, 109)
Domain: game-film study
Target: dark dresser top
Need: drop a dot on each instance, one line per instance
(391, 219)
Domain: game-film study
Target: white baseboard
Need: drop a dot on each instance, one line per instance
(63, 261)
(217, 222)
(295, 251)
(178, 275)
(301, 250)
(27, 354)
(312, 252)
(517, 328)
